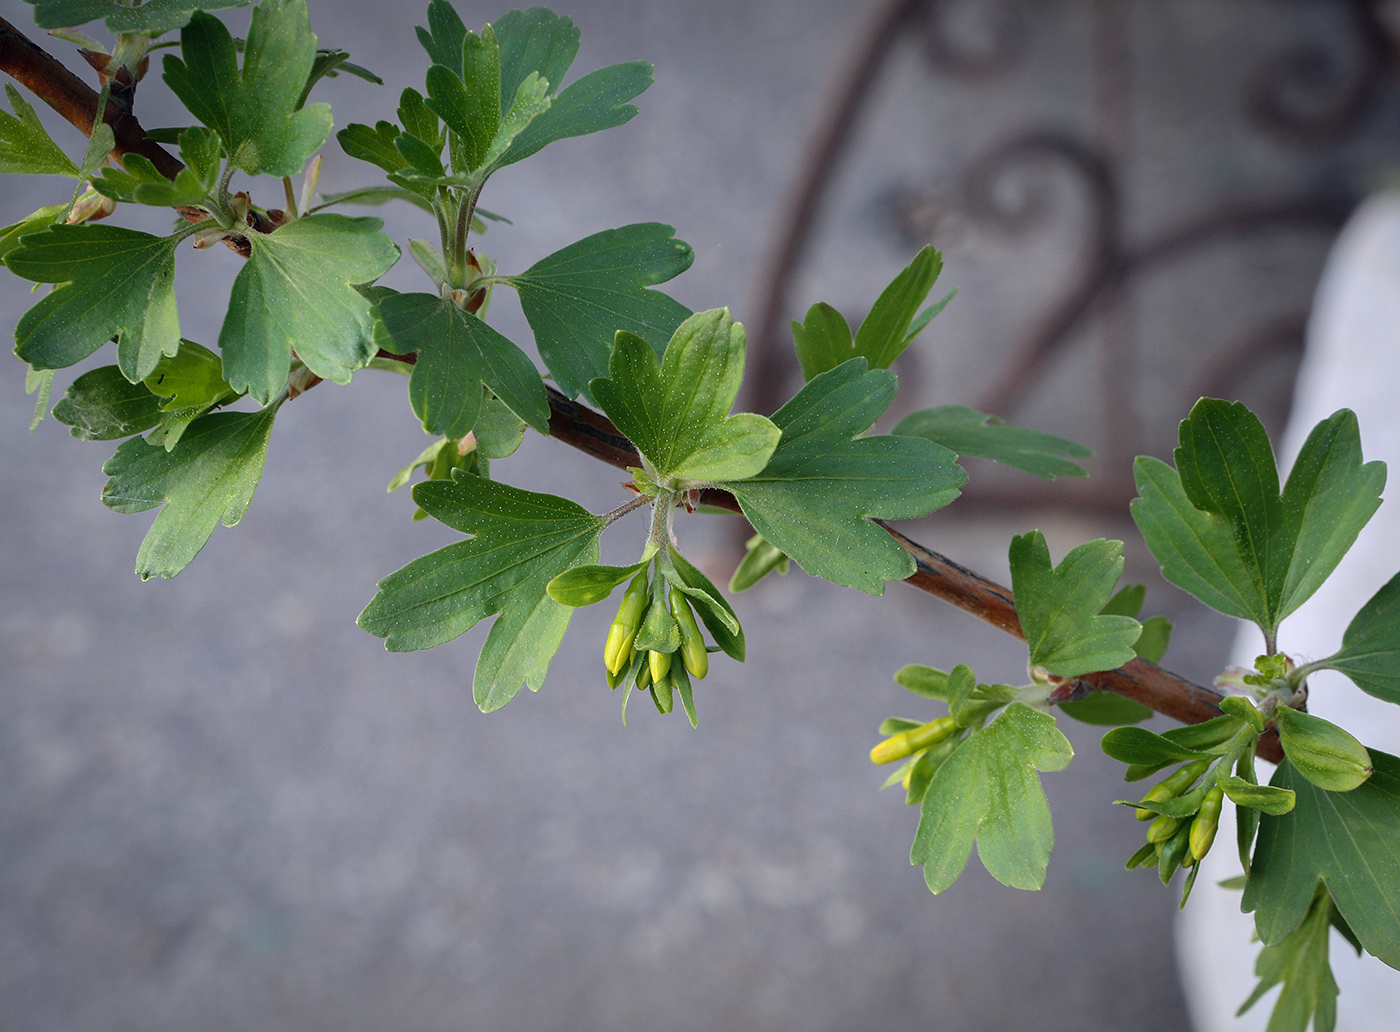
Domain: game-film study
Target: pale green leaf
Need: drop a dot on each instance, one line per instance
(208, 478)
(987, 791)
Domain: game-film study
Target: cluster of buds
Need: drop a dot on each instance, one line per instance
(656, 616)
(1180, 841)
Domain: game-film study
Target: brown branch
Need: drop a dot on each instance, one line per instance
(580, 427)
(33, 67)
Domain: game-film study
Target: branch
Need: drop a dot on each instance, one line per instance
(591, 432)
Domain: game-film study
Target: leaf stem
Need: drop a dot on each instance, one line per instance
(632, 505)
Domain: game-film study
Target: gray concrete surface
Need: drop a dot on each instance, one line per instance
(224, 807)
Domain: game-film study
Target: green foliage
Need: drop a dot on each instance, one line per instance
(1222, 529)
(1060, 606)
(25, 145)
(113, 282)
(103, 405)
(1370, 653)
(139, 182)
(149, 19)
(677, 411)
(968, 432)
(578, 297)
(519, 541)
(189, 383)
(815, 498)
(254, 110)
(1350, 841)
(988, 792)
(297, 290)
(1302, 964)
(1321, 751)
(208, 478)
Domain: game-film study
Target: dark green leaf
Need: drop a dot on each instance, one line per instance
(1059, 607)
(444, 36)
(815, 498)
(103, 405)
(1106, 709)
(969, 432)
(1156, 636)
(419, 120)
(208, 478)
(578, 298)
(467, 98)
(114, 282)
(457, 353)
(1302, 964)
(823, 340)
(254, 110)
(34, 222)
(1126, 601)
(1348, 840)
(988, 791)
(1370, 653)
(884, 334)
(677, 411)
(537, 40)
(760, 559)
(298, 291)
(521, 541)
(593, 103)
(25, 145)
(149, 19)
(376, 145)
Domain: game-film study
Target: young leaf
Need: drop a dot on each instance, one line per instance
(298, 290)
(1370, 653)
(535, 41)
(114, 282)
(815, 498)
(457, 352)
(254, 110)
(923, 680)
(1059, 606)
(1264, 798)
(1142, 748)
(1348, 840)
(1327, 755)
(711, 607)
(677, 411)
(823, 340)
(988, 791)
(969, 432)
(190, 383)
(149, 19)
(1224, 531)
(103, 405)
(25, 145)
(1302, 964)
(521, 541)
(32, 223)
(376, 145)
(138, 181)
(467, 97)
(444, 36)
(208, 478)
(577, 298)
(884, 334)
(585, 585)
(593, 103)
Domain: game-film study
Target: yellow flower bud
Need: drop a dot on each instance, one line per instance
(618, 649)
(693, 654)
(660, 664)
(1162, 828)
(907, 743)
(1207, 820)
(1173, 786)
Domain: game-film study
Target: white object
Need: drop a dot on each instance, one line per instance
(1352, 361)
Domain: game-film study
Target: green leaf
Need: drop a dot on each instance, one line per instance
(1126, 601)
(190, 383)
(149, 19)
(1264, 798)
(208, 478)
(457, 353)
(711, 607)
(114, 282)
(988, 791)
(536, 41)
(298, 290)
(1156, 636)
(1348, 840)
(815, 498)
(103, 405)
(253, 110)
(922, 680)
(593, 103)
(577, 298)
(38, 382)
(372, 195)
(969, 432)
(498, 430)
(1059, 607)
(1106, 709)
(1328, 756)
(760, 559)
(677, 411)
(138, 181)
(34, 222)
(1221, 528)
(1370, 653)
(585, 585)
(376, 145)
(1301, 963)
(420, 121)
(25, 145)
(884, 334)
(444, 36)
(467, 97)
(1140, 747)
(521, 541)
(823, 340)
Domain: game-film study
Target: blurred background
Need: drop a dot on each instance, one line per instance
(222, 806)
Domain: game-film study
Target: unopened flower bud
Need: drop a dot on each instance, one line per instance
(693, 654)
(618, 648)
(1207, 820)
(907, 743)
(1172, 787)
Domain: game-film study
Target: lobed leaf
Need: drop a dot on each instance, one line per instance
(25, 145)
(149, 19)
(103, 405)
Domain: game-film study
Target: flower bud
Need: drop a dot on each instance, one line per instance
(1162, 828)
(1173, 786)
(693, 654)
(659, 664)
(618, 648)
(1207, 820)
(907, 743)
